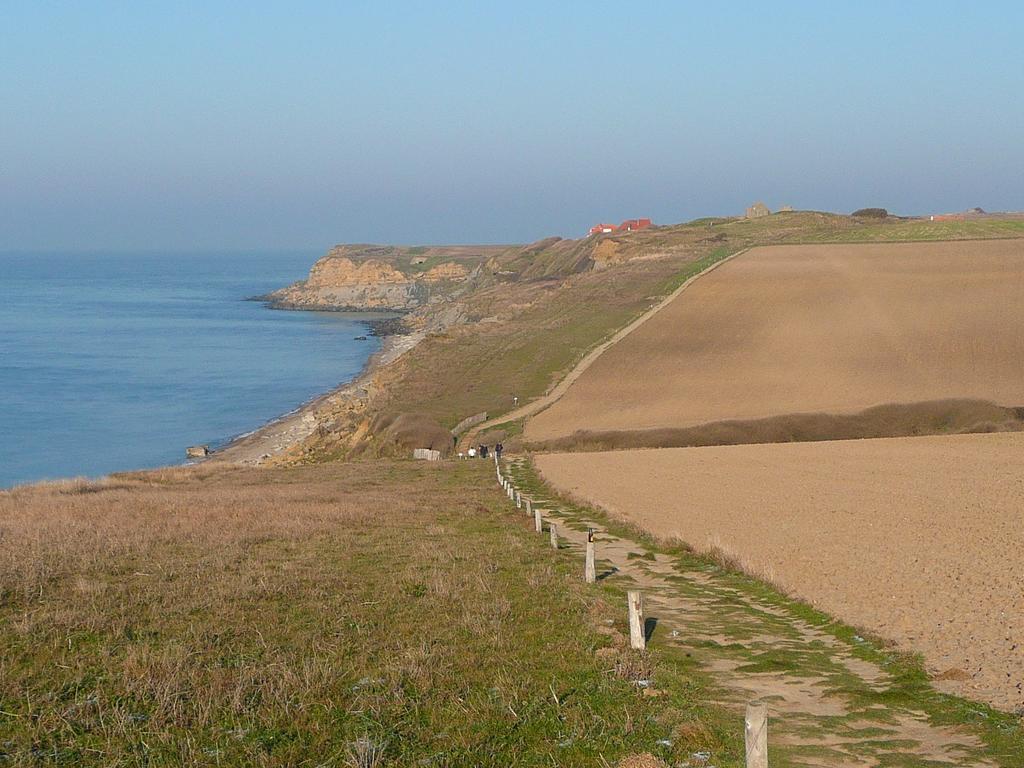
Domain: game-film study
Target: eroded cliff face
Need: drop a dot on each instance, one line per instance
(340, 282)
(402, 278)
(337, 271)
(449, 270)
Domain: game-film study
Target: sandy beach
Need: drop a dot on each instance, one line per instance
(271, 441)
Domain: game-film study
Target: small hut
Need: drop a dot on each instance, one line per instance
(757, 210)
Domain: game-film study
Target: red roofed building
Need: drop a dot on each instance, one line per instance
(632, 225)
(602, 229)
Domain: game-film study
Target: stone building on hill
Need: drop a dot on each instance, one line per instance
(757, 210)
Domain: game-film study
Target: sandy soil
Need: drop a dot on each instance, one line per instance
(815, 328)
(917, 539)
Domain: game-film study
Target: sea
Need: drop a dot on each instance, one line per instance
(113, 362)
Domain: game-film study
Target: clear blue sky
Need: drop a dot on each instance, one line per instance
(279, 125)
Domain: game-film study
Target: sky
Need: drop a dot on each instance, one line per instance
(256, 125)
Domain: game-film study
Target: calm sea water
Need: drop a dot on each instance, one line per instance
(114, 362)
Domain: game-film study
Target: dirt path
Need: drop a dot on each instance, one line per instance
(832, 702)
(536, 406)
(916, 539)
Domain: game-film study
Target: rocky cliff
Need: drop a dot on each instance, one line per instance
(382, 278)
(403, 279)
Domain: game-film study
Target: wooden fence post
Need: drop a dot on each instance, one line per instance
(529, 507)
(590, 567)
(553, 530)
(756, 734)
(519, 500)
(538, 521)
(637, 639)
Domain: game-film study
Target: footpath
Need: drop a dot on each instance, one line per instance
(834, 699)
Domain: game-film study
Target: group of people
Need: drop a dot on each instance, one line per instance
(481, 451)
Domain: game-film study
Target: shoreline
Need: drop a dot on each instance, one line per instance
(278, 436)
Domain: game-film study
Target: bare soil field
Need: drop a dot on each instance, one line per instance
(813, 329)
(915, 539)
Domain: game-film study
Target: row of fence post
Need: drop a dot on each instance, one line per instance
(755, 731)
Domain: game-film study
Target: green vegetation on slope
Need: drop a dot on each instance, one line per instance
(520, 337)
(540, 314)
(815, 227)
(525, 333)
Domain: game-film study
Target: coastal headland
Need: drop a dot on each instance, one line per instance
(509, 323)
(342, 599)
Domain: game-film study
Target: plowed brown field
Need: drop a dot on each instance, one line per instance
(918, 539)
(813, 328)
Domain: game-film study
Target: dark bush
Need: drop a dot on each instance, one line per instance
(871, 213)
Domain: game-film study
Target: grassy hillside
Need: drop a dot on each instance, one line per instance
(520, 337)
(549, 257)
(373, 613)
(556, 257)
(819, 228)
(364, 614)
(542, 307)
(414, 259)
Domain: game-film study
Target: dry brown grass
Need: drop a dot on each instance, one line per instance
(406, 432)
(376, 613)
(53, 531)
(643, 760)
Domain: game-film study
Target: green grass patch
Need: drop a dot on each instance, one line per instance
(316, 616)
